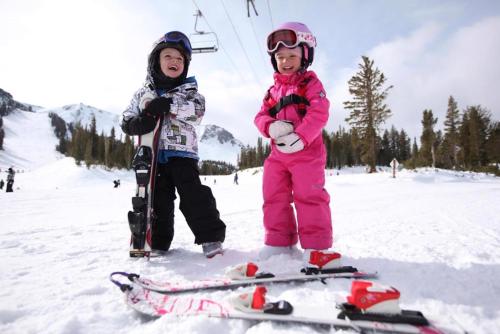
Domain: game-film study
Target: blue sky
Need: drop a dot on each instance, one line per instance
(54, 53)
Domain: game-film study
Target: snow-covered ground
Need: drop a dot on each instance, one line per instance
(435, 235)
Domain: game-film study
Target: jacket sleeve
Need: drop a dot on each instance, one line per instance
(263, 119)
(134, 123)
(317, 112)
(188, 106)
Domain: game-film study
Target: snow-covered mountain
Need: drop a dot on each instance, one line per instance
(216, 143)
(83, 114)
(8, 104)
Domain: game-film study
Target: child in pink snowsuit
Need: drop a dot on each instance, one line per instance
(293, 115)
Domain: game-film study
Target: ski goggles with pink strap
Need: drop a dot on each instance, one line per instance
(289, 39)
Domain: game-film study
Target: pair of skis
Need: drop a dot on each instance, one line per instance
(179, 299)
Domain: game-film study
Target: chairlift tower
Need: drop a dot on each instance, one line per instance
(203, 41)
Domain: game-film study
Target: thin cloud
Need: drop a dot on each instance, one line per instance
(428, 66)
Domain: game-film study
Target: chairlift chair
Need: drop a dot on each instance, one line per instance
(203, 41)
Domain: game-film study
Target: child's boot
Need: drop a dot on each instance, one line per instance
(210, 249)
(321, 259)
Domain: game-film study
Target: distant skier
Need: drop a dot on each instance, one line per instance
(1, 184)
(10, 180)
(235, 178)
(117, 183)
(167, 91)
(293, 114)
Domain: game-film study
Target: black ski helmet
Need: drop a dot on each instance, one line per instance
(176, 40)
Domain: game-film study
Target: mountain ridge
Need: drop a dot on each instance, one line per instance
(215, 142)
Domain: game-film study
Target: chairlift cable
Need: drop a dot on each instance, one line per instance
(263, 57)
(270, 14)
(221, 46)
(241, 43)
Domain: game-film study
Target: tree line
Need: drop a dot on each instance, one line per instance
(470, 140)
(86, 146)
(212, 167)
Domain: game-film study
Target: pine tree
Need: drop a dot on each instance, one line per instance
(412, 162)
(493, 145)
(327, 140)
(129, 151)
(100, 148)
(260, 152)
(404, 147)
(108, 161)
(78, 141)
(427, 154)
(110, 150)
(385, 154)
(368, 110)
(88, 153)
(474, 133)
(94, 142)
(451, 125)
(2, 132)
(438, 153)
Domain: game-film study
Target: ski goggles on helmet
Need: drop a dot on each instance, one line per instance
(289, 39)
(177, 37)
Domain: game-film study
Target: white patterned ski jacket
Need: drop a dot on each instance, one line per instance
(178, 129)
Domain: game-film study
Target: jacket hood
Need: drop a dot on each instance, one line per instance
(154, 73)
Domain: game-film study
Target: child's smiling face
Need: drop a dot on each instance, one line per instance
(288, 60)
(171, 62)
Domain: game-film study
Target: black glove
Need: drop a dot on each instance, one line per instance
(158, 106)
(139, 125)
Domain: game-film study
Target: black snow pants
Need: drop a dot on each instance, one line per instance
(10, 185)
(197, 204)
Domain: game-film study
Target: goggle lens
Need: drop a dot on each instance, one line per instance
(286, 37)
(178, 37)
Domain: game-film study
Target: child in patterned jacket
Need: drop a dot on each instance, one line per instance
(169, 92)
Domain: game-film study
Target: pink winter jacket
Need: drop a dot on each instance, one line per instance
(309, 126)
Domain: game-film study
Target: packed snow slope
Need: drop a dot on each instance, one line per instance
(433, 234)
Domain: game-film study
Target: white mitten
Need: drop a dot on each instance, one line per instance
(290, 143)
(280, 128)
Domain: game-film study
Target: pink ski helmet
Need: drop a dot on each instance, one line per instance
(291, 35)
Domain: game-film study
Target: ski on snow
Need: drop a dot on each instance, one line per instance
(239, 276)
(369, 309)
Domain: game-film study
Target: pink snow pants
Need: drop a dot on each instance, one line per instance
(297, 178)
